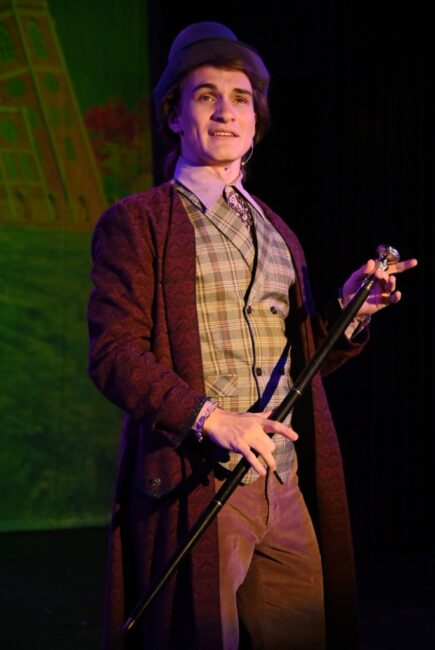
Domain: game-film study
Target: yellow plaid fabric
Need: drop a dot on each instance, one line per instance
(242, 293)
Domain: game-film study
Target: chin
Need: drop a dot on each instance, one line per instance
(225, 157)
(233, 147)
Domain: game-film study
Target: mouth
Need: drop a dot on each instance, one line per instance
(223, 134)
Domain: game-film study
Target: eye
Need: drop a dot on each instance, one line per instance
(242, 99)
(206, 98)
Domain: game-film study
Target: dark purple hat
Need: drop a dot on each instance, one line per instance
(202, 43)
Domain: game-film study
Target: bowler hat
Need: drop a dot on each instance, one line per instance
(202, 44)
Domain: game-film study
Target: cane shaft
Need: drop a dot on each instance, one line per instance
(243, 466)
(346, 316)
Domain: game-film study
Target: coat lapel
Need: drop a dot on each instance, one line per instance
(178, 283)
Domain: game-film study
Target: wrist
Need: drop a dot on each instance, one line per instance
(198, 428)
(359, 321)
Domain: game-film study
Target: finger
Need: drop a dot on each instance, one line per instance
(388, 288)
(381, 275)
(383, 300)
(394, 297)
(399, 267)
(366, 269)
(261, 444)
(254, 462)
(387, 285)
(272, 426)
(269, 459)
(369, 267)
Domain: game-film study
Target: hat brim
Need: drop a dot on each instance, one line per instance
(205, 52)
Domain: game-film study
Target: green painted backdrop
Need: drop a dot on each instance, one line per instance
(59, 437)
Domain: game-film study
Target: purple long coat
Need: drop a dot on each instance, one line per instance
(145, 357)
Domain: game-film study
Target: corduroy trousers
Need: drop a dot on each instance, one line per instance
(271, 583)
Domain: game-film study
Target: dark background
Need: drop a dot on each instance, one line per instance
(349, 163)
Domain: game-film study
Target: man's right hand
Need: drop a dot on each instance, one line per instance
(245, 432)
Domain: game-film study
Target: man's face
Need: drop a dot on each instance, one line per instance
(215, 118)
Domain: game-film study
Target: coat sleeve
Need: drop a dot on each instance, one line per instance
(120, 316)
(344, 349)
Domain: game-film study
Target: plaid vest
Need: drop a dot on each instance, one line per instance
(242, 297)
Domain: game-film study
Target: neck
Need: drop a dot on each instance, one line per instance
(226, 172)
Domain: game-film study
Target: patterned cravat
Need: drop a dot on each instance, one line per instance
(239, 205)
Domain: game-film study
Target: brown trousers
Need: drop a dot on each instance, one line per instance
(271, 579)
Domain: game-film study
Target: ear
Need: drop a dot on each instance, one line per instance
(174, 124)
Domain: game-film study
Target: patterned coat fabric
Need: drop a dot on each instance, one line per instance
(145, 357)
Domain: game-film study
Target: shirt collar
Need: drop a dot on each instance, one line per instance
(206, 186)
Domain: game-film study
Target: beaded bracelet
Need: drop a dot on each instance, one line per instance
(198, 427)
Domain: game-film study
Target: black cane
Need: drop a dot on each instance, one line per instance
(387, 255)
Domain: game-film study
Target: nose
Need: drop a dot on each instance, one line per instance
(224, 111)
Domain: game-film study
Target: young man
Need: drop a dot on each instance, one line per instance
(200, 316)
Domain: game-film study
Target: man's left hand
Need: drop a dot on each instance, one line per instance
(384, 291)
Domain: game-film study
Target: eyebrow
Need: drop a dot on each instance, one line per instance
(240, 91)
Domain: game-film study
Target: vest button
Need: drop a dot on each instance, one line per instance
(273, 309)
(258, 372)
(249, 309)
